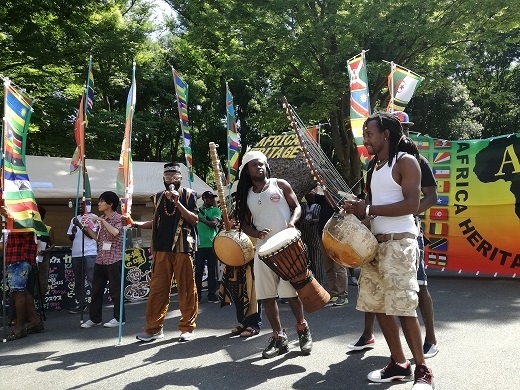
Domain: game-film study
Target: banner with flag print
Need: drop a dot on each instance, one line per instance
(233, 138)
(17, 195)
(79, 136)
(125, 174)
(402, 84)
(359, 94)
(181, 91)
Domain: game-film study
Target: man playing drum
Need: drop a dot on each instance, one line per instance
(388, 285)
(266, 206)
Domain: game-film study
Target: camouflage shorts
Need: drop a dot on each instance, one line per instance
(388, 284)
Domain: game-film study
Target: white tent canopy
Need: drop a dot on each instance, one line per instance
(50, 178)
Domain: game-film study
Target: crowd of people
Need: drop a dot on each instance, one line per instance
(391, 286)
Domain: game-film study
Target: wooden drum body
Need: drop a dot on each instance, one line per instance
(233, 248)
(347, 241)
(286, 255)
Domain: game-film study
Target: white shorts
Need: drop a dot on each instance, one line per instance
(268, 284)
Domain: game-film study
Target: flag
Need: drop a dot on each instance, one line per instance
(17, 193)
(439, 228)
(233, 138)
(441, 157)
(125, 174)
(181, 90)
(423, 145)
(438, 244)
(359, 95)
(90, 89)
(442, 200)
(79, 136)
(443, 186)
(441, 173)
(438, 259)
(402, 84)
(441, 143)
(438, 214)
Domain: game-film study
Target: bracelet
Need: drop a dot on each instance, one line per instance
(367, 210)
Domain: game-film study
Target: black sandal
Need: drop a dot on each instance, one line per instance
(34, 328)
(236, 331)
(249, 332)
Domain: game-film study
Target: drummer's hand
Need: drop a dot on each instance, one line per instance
(263, 233)
(356, 207)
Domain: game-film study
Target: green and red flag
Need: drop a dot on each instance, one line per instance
(125, 174)
(359, 95)
(402, 83)
(181, 91)
(233, 138)
(17, 195)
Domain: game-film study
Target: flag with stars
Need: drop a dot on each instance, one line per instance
(359, 96)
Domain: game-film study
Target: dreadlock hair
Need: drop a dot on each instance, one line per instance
(398, 142)
(242, 212)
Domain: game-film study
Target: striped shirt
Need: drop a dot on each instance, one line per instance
(110, 248)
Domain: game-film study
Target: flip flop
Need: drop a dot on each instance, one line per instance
(249, 332)
(238, 330)
(16, 335)
(34, 328)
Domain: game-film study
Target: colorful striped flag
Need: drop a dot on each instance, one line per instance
(438, 259)
(441, 143)
(79, 136)
(90, 89)
(439, 228)
(125, 173)
(402, 84)
(233, 138)
(441, 157)
(438, 244)
(441, 172)
(423, 145)
(443, 186)
(17, 193)
(359, 95)
(181, 90)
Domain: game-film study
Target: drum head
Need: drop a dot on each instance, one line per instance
(278, 241)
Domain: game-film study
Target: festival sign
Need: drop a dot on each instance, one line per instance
(475, 225)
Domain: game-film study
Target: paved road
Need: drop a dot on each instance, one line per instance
(477, 322)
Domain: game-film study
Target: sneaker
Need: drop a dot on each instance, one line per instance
(186, 336)
(77, 309)
(340, 301)
(430, 350)
(363, 343)
(333, 299)
(278, 345)
(113, 323)
(392, 372)
(353, 281)
(423, 378)
(146, 337)
(305, 339)
(90, 324)
(213, 298)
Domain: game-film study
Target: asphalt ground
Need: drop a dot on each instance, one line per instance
(477, 326)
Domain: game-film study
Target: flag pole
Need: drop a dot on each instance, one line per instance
(4, 230)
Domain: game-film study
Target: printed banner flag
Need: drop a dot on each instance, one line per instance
(233, 138)
(17, 193)
(79, 136)
(359, 95)
(125, 174)
(181, 90)
(402, 84)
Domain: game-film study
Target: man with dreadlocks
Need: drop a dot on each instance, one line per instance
(388, 285)
(266, 206)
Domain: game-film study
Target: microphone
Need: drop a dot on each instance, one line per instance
(171, 187)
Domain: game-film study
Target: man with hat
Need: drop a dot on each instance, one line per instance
(174, 240)
(209, 219)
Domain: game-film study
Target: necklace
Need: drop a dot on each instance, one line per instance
(380, 163)
(260, 193)
(169, 214)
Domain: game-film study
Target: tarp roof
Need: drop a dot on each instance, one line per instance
(50, 178)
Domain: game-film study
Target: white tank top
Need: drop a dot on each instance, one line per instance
(386, 191)
(269, 209)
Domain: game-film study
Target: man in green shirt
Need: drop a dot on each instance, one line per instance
(209, 219)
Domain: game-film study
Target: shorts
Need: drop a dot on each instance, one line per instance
(388, 284)
(421, 272)
(18, 275)
(268, 284)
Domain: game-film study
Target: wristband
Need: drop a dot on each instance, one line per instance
(367, 210)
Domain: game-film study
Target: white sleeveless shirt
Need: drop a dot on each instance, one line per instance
(386, 191)
(269, 209)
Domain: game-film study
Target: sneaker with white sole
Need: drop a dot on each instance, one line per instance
(423, 378)
(146, 337)
(430, 350)
(186, 336)
(90, 324)
(343, 300)
(362, 344)
(392, 372)
(113, 323)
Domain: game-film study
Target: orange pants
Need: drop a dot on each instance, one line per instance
(165, 266)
